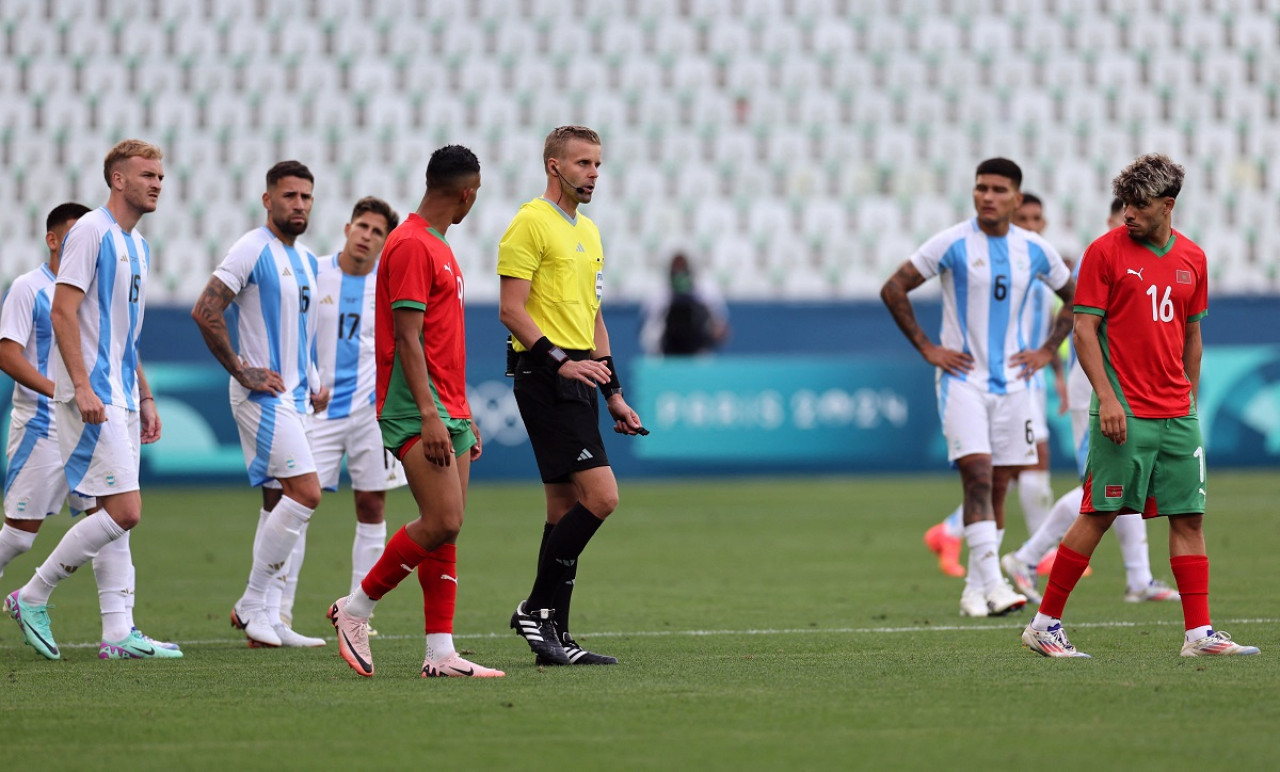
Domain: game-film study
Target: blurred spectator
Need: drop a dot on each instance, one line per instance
(690, 317)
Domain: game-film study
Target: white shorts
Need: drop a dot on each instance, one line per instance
(978, 422)
(370, 466)
(1080, 435)
(100, 459)
(1039, 414)
(1079, 395)
(35, 485)
(273, 437)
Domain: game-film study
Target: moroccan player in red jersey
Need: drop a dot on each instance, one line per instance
(1139, 300)
(424, 416)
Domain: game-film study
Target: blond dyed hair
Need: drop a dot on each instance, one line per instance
(1149, 177)
(126, 149)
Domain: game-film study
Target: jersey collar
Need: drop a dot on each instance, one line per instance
(1161, 251)
(571, 220)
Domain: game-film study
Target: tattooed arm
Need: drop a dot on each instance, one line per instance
(894, 295)
(208, 315)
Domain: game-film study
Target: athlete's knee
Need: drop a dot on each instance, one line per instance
(370, 507)
(127, 517)
(602, 503)
(304, 490)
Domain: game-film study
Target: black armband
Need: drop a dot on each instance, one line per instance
(554, 354)
(614, 386)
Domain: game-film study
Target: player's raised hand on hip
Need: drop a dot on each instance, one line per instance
(955, 362)
(261, 379)
(320, 399)
(92, 411)
(1030, 361)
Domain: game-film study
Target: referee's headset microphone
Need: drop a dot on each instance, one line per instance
(581, 189)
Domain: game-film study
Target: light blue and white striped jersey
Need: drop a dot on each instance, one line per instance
(274, 285)
(26, 318)
(344, 337)
(1037, 320)
(1079, 390)
(985, 282)
(110, 267)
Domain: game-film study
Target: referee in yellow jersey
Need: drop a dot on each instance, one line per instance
(551, 265)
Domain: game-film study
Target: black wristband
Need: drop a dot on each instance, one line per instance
(551, 351)
(614, 386)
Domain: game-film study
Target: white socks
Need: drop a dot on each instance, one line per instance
(13, 542)
(366, 549)
(1131, 530)
(113, 570)
(1043, 622)
(440, 645)
(271, 549)
(288, 588)
(1036, 496)
(1064, 513)
(359, 604)
(984, 561)
(78, 546)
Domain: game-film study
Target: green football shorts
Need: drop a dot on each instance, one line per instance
(401, 434)
(1159, 470)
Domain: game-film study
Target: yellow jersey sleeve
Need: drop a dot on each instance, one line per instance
(521, 249)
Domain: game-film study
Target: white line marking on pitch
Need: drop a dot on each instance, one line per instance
(784, 631)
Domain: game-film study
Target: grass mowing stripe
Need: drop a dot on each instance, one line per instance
(704, 633)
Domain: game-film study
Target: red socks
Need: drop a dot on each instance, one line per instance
(1191, 573)
(398, 560)
(1068, 567)
(438, 575)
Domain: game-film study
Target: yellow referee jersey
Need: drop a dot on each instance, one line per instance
(563, 260)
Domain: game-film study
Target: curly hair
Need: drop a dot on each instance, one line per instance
(1151, 176)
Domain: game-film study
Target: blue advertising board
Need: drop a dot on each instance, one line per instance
(827, 387)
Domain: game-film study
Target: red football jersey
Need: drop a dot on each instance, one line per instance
(1146, 297)
(418, 270)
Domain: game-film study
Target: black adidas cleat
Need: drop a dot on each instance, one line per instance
(579, 655)
(538, 629)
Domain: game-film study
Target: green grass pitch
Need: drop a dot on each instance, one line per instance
(785, 624)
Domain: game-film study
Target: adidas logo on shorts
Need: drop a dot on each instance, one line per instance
(585, 455)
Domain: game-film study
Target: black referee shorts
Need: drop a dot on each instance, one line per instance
(562, 417)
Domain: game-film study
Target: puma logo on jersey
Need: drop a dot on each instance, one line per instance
(1137, 273)
(448, 268)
